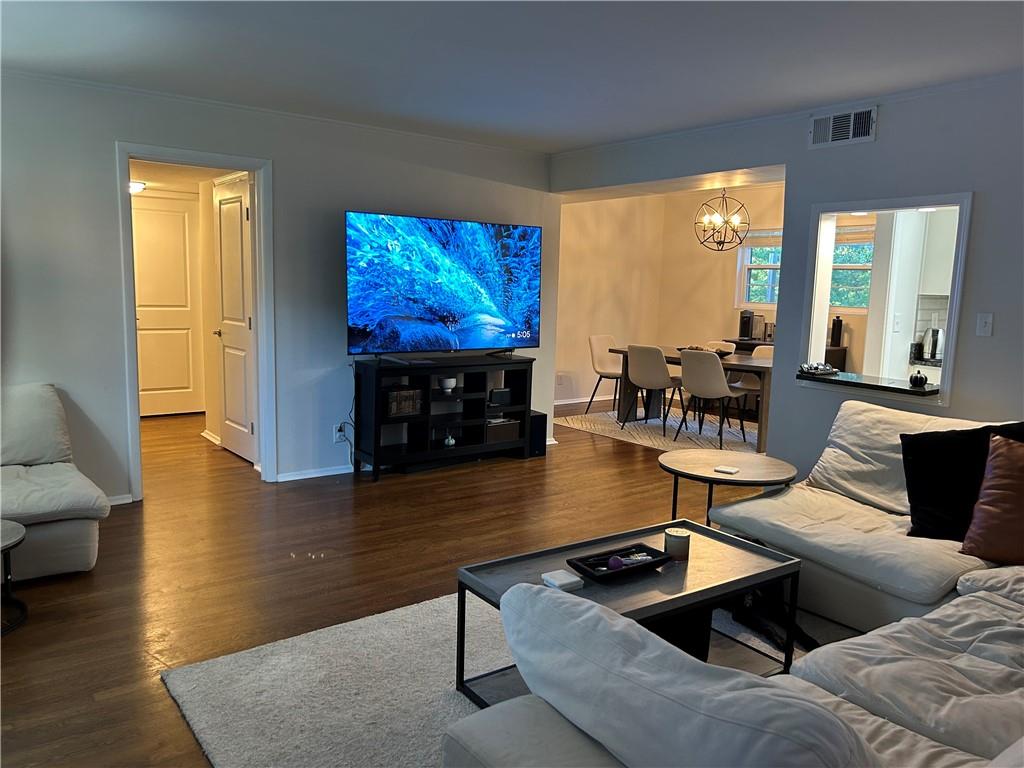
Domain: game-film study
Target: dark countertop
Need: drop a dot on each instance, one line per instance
(877, 383)
(761, 343)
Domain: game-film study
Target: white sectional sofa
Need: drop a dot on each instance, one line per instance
(941, 691)
(848, 522)
(41, 488)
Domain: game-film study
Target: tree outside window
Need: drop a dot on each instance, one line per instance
(851, 274)
(762, 285)
(761, 264)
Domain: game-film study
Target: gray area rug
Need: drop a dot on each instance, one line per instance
(649, 434)
(378, 691)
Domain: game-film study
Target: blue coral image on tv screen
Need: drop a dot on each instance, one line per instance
(429, 285)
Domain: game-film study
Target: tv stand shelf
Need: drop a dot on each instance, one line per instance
(403, 417)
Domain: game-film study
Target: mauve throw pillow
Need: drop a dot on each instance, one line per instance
(997, 528)
(944, 471)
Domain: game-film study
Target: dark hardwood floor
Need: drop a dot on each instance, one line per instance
(216, 561)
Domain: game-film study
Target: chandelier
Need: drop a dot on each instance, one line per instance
(721, 223)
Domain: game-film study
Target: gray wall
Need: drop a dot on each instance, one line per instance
(964, 137)
(62, 284)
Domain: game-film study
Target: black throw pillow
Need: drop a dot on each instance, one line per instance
(944, 471)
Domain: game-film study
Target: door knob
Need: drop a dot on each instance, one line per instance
(218, 332)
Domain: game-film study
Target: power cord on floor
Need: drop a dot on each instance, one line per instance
(348, 424)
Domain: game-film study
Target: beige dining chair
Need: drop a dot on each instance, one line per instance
(728, 348)
(649, 373)
(607, 365)
(704, 378)
(751, 382)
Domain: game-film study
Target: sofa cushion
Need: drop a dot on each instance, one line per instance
(1007, 582)
(996, 532)
(894, 744)
(34, 428)
(863, 457)
(649, 703)
(854, 539)
(944, 472)
(49, 492)
(524, 732)
(955, 675)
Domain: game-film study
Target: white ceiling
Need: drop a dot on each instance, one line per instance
(545, 76)
(170, 176)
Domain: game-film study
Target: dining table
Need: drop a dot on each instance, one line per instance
(759, 366)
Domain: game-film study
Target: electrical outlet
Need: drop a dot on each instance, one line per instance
(338, 433)
(984, 324)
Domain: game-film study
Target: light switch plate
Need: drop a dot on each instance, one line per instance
(984, 324)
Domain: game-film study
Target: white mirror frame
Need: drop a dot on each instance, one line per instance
(963, 200)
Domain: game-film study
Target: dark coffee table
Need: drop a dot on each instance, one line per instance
(676, 601)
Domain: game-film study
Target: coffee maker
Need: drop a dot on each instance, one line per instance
(751, 325)
(746, 324)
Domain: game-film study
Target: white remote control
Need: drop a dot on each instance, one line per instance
(727, 470)
(563, 580)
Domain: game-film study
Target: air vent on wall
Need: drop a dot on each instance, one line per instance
(851, 127)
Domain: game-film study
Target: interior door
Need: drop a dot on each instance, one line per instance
(168, 304)
(232, 233)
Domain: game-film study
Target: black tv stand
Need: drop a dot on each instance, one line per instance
(403, 416)
(392, 359)
(502, 353)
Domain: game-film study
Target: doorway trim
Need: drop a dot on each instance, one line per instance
(264, 274)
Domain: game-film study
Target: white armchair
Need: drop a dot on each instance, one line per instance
(43, 490)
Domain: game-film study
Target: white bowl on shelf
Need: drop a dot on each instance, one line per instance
(447, 385)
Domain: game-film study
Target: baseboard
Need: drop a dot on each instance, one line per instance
(552, 441)
(210, 436)
(574, 400)
(124, 498)
(305, 474)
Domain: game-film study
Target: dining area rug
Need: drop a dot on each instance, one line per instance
(606, 424)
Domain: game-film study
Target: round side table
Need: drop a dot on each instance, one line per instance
(699, 465)
(14, 610)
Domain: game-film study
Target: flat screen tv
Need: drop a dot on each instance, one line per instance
(433, 285)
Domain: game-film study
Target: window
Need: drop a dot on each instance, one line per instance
(760, 260)
(851, 273)
(893, 272)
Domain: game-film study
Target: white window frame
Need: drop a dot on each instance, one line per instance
(759, 239)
